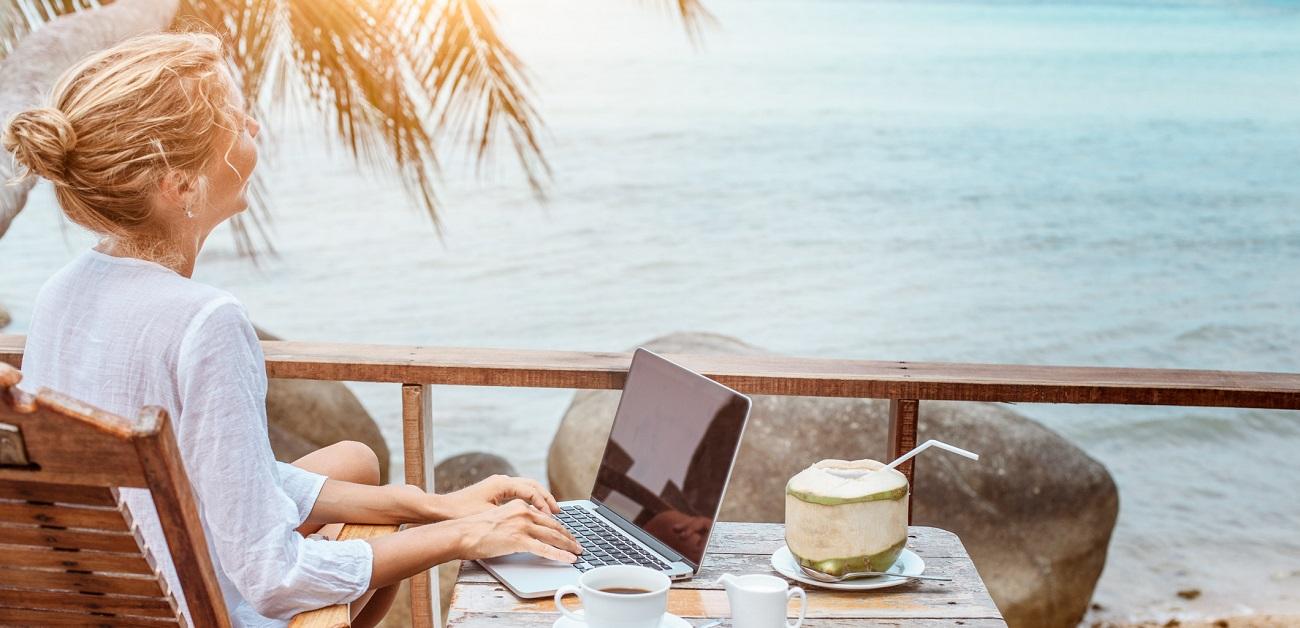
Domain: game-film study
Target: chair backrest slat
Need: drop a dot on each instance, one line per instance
(58, 493)
(68, 539)
(82, 582)
(72, 553)
(30, 617)
(75, 560)
(127, 606)
(57, 515)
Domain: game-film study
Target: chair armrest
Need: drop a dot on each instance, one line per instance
(338, 616)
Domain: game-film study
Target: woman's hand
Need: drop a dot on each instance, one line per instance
(497, 490)
(515, 527)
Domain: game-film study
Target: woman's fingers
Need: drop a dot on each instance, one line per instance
(548, 551)
(550, 499)
(561, 540)
(537, 499)
(549, 529)
(532, 492)
(551, 522)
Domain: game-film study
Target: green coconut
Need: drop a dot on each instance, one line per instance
(843, 517)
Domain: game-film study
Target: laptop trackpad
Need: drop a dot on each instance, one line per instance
(524, 559)
(531, 576)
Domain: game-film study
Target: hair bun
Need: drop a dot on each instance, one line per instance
(40, 140)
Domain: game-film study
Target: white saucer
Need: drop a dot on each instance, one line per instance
(669, 621)
(908, 564)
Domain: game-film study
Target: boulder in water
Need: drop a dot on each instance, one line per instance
(463, 470)
(1036, 513)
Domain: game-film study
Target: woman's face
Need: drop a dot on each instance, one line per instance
(230, 171)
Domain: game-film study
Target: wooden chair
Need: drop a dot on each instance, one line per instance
(69, 552)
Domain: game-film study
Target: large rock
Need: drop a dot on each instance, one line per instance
(304, 415)
(1036, 513)
(463, 470)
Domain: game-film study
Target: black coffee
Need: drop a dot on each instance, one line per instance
(624, 590)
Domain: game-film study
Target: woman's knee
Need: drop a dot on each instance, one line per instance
(347, 461)
(360, 460)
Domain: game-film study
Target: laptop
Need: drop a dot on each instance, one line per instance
(659, 485)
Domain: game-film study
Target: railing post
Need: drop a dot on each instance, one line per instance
(903, 415)
(417, 449)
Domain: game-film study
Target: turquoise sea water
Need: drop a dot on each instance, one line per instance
(1047, 183)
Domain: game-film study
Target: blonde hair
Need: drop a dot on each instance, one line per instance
(119, 121)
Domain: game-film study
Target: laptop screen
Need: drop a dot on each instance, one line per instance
(670, 452)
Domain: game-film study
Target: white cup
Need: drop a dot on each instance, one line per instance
(601, 609)
(759, 601)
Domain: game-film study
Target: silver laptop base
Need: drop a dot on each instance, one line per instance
(529, 576)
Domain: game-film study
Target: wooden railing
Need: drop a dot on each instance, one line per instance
(905, 384)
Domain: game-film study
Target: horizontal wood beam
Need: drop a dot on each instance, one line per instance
(776, 375)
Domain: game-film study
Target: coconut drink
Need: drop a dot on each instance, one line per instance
(844, 517)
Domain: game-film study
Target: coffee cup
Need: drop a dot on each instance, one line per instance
(618, 596)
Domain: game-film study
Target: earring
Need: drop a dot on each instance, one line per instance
(189, 211)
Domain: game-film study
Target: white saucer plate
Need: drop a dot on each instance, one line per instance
(908, 564)
(669, 620)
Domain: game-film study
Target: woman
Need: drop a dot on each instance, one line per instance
(148, 145)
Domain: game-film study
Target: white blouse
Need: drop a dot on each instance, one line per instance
(122, 333)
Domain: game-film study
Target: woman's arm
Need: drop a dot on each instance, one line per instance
(250, 520)
(345, 502)
(513, 527)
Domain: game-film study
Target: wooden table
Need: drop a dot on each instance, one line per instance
(739, 548)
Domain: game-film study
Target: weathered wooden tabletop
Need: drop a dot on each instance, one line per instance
(740, 548)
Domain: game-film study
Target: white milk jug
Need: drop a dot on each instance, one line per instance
(759, 601)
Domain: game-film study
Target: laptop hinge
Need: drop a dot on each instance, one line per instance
(642, 535)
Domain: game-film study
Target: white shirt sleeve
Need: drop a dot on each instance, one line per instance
(251, 504)
(302, 486)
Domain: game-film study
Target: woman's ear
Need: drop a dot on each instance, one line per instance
(178, 190)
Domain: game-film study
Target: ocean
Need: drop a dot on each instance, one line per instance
(1111, 183)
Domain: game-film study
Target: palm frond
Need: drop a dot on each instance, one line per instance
(349, 54)
(344, 56)
(478, 85)
(695, 18)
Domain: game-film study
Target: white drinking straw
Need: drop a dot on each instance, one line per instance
(857, 473)
(926, 445)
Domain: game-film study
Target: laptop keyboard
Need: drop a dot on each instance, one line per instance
(601, 543)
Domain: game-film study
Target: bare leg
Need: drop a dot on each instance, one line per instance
(350, 461)
(375, 610)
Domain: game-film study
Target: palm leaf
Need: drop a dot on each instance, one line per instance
(477, 84)
(695, 18)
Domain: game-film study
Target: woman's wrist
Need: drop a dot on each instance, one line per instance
(427, 507)
(460, 542)
(413, 505)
